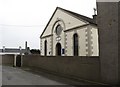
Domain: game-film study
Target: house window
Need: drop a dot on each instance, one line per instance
(45, 48)
(75, 44)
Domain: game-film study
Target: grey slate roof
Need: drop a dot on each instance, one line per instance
(79, 16)
(12, 50)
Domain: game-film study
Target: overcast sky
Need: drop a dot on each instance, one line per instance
(24, 20)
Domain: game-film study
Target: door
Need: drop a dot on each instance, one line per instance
(18, 61)
(58, 49)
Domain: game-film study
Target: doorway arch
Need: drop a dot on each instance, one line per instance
(58, 49)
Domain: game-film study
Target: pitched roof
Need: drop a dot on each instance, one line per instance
(79, 16)
(76, 15)
(12, 50)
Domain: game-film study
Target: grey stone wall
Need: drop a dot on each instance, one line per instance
(108, 15)
(7, 59)
(76, 67)
(119, 41)
(0, 59)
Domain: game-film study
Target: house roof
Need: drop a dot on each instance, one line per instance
(76, 15)
(12, 50)
(79, 16)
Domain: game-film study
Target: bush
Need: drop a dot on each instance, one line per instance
(35, 51)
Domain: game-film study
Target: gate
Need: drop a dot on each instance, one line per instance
(18, 61)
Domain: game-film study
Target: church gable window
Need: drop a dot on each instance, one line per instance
(58, 29)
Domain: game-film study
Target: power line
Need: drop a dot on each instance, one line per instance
(21, 25)
(25, 25)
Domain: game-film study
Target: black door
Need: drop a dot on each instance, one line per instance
(18, 61)
(58, 49)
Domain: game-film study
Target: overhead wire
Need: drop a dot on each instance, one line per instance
(25, 25)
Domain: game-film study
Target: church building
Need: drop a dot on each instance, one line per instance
(70, 34)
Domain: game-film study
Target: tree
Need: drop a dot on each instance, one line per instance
(35, 51)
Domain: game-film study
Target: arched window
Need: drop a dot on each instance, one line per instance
(75, 44)
(58, 29)
(45, 48)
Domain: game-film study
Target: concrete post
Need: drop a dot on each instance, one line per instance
(15, 59)
(21, 60)
(3, 49)
(108, 15)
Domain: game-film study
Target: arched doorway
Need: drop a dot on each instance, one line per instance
(75, 44)
(58, 49)
(45, 48)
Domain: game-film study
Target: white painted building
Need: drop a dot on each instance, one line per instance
(69, 34)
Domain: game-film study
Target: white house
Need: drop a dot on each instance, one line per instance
(69, 34)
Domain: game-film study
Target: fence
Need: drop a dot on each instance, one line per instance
(7, 59)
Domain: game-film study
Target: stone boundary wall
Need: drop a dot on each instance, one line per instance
(0, 59)
(87, 68)
(7, 59)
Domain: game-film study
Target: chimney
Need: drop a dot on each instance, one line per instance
(95, 18)
(3, 49)
(95, 15)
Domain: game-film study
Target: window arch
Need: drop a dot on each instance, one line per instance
(45, 48)
(75, 45)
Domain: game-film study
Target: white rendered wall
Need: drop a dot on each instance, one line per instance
(95, 42)
(69, 43)
(62, 42)
(82, 41)
(66, 41)
(48, 46)
(70, 21)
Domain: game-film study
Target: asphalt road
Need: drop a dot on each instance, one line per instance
(0, 75)
(16, 76)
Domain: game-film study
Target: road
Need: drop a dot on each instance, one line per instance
(0, 75)
(16, 76)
